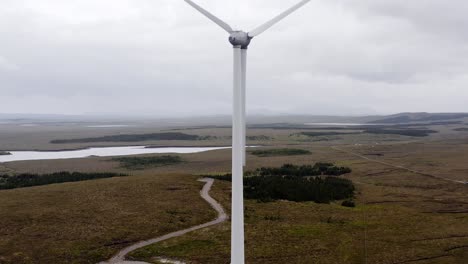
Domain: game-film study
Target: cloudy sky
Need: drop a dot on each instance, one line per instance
(161, 57)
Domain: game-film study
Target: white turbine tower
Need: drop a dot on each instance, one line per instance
(240, 41)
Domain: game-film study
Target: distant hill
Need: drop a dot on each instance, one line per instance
(418, 117)
(225, 120)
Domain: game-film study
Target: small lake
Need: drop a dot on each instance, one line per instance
(107, 126)
(100, 152)
(339, 124)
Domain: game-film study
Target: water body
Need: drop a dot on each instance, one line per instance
(339, 124)
(108, 126)
(99, 152)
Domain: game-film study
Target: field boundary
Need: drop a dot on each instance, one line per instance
(397, 166)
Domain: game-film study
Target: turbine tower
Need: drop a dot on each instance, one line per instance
(240, 40)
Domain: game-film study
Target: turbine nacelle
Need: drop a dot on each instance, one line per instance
(240, 38)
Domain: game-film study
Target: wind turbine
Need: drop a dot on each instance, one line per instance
(240, 40)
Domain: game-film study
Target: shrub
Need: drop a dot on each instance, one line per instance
(348, 203)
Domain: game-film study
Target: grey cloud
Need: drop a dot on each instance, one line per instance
(154, 56)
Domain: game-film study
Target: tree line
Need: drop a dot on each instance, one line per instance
(317, 169)
(131, 138)
(279, 152)
(30, 179)
(297, 189)
(139, 163)
(316, 183)
(402, 131)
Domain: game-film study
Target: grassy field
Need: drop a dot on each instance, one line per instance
(400, 216)
(87, 222)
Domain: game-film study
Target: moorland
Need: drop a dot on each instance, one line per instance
(408, 173)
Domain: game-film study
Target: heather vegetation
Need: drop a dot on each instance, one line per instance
(132, 138)
(279, 152)
(138, 163)
(29, 179)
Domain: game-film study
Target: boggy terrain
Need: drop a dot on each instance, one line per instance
(411, 203)
(400, 216)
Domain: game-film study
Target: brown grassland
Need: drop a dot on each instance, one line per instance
(400, 217)
(86, 222)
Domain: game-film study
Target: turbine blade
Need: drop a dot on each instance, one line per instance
(259, 30)
(213, 18)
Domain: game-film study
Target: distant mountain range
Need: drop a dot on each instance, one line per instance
(404, 118)
(401, 118)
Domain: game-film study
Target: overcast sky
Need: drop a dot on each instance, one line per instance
(161, 57)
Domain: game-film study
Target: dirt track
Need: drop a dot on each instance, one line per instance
(119, 258)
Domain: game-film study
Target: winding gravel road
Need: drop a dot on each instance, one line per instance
(119, 258)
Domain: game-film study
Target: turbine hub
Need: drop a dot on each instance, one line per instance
(240, 38)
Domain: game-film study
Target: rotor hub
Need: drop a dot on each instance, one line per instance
(240, 38)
